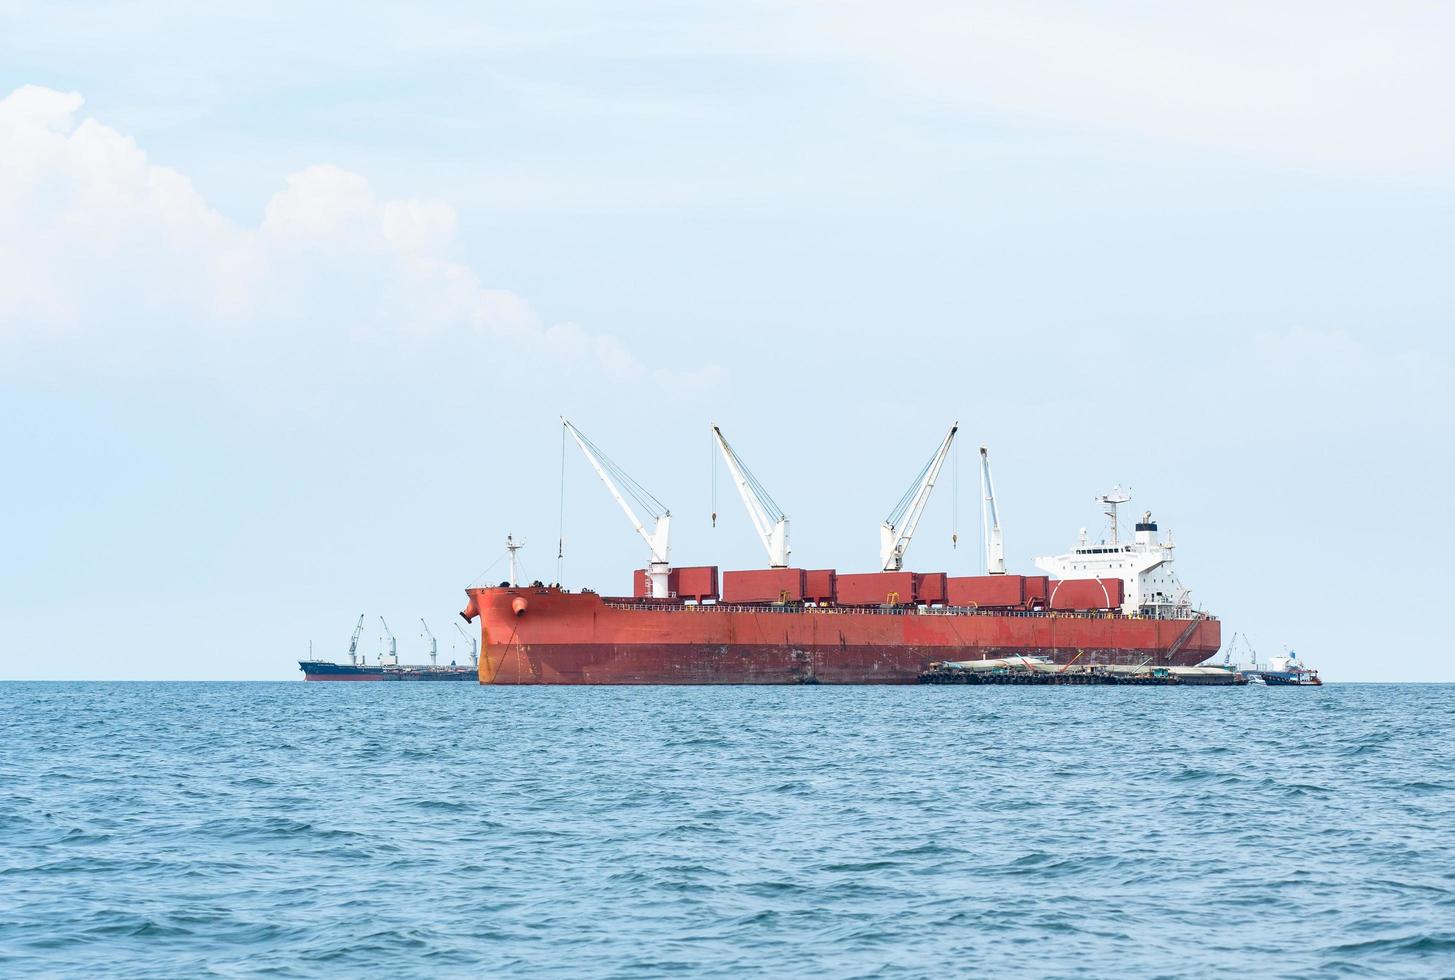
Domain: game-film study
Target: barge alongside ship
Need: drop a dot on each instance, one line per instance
(1111, 602)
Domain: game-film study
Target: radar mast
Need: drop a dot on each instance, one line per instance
(1117, 496)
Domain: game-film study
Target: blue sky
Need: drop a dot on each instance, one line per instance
(291, 300)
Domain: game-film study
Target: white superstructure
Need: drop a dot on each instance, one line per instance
(1144, 565)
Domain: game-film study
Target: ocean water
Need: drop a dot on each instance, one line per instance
(179, 830)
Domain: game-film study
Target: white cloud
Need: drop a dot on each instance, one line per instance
(112, 261)
(324, 206)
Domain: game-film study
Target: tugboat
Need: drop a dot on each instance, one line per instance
(1289, 671)
(1284, 671)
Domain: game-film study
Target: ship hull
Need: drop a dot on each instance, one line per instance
(546, 636)
(320, 670)
(1275, 678)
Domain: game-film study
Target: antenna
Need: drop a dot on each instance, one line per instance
(512, 546)
(1117, 496)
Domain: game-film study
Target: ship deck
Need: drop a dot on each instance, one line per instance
(830, 609)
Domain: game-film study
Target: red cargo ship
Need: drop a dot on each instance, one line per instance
(549, 636)
(1112, 602)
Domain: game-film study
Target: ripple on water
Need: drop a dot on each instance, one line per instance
(899, 832)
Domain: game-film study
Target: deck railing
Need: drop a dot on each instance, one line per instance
(660, 605)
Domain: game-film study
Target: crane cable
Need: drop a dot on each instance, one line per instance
(900, 509)
(561, 517)
(643, 497)
(498, 559)
(955, 500)
(765, 500)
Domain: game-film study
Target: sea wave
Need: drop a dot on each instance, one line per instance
(449, 830)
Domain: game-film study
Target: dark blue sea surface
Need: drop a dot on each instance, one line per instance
(177, 830)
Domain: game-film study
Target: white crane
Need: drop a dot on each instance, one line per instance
(990, 520)
(474, 656)
(434, 648)
(393, 647)
(898, 528)
(354, 642)
(768, 518)
(657, 540)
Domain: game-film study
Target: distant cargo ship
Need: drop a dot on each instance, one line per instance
(324, 670)
(1106, 602)
(389, 668)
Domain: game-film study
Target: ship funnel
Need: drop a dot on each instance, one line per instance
(1147, 531)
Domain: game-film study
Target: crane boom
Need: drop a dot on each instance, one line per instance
(990, 519)
(474, 656)
(354, 642)
(434, 648)
(898, 528)
(393, 646)
(658, 540)
(768, 518)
